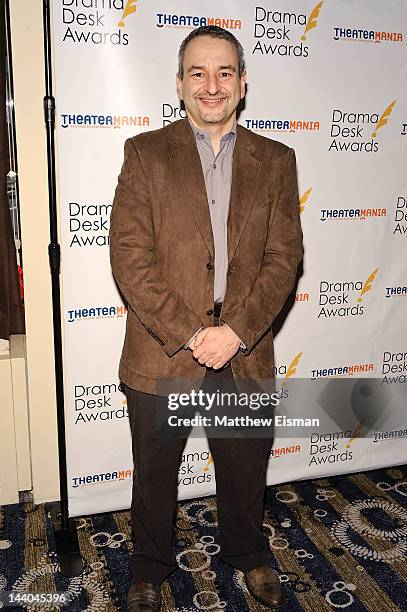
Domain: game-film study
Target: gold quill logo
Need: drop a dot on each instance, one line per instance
(368, 284)
(292, 369)
(384, 118)
(356, 432)
(128, 10)
(206, 468)
(312, 20)
(303, 199)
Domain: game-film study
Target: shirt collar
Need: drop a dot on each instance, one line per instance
(201, 135)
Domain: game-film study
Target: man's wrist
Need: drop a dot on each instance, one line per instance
(187, 344)
(242, 346)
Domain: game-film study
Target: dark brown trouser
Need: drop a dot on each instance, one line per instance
(240, 470)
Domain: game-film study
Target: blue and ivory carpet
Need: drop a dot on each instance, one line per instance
(336, 543)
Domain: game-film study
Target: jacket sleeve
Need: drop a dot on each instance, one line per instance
(134, 263)
(253, 316)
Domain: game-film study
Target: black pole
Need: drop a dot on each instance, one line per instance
(66, 536)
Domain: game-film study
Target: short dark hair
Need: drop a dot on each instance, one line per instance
(213, 32)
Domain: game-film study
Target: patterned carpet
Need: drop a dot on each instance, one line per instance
(336, 543)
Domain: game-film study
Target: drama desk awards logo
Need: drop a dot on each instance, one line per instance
(394, 367)
(96, 22)
(89, 225)
(171, 112)
(357, 132)
(400, 216)
(344, 299)
(283, 33)
(98, 403)
(191, 471)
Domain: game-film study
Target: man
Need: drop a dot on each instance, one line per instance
(205, 243)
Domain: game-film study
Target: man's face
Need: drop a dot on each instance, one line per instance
(211, 88)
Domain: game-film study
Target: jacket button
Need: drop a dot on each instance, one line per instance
(209, 265)
(209, 312)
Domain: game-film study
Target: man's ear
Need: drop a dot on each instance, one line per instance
(243, 80)
(178, 81)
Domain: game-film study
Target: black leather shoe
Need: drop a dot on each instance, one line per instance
(143, 597)
(264, 584)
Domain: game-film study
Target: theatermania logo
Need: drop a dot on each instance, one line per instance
(302, 296)
(177, 20)
(282, 451)
(396, 291)
(97, 22)
(96, 312)
(358, 132)
(283, 33)
(352, 214)
(274, 124)
(365, 35)
(103, 477)
(345, 298)
(98, 121)
(353, 369)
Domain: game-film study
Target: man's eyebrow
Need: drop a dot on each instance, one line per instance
(228, 67)
(191, 68)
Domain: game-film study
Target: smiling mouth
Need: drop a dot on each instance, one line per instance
(211, 101)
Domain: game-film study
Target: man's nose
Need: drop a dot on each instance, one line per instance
(212, 84)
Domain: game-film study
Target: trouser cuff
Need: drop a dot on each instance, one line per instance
(142, 572)
(245, 562)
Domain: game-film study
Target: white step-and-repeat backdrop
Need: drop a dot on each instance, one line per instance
(326, 78)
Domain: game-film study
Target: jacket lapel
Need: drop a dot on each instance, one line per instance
(187, 167)
(246, 171)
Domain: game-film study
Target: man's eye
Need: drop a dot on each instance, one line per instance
(197, 74)
(225, 74)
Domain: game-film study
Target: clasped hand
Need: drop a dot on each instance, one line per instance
(215, 346)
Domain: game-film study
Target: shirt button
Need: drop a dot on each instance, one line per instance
(214, 166)
(209, 265)
(202, 136)
(213, 201)
(209, 312)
